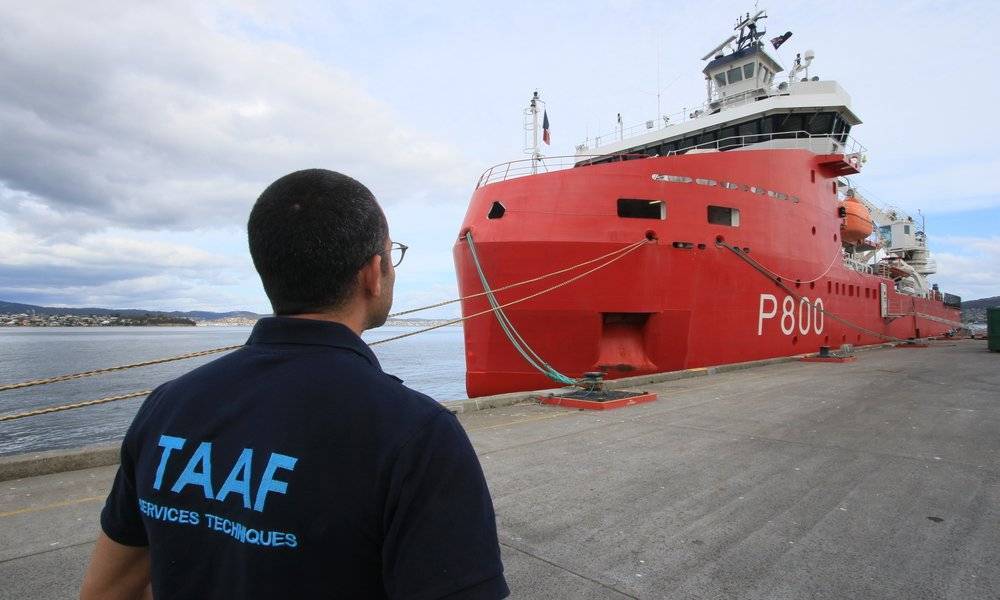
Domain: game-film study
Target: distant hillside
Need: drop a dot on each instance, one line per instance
(198, 315)
(974, 311)
(982, 303)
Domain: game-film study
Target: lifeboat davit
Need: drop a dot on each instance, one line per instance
(857, 222)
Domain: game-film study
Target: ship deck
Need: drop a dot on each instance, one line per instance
(873, 479)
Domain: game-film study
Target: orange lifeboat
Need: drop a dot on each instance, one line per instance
(857, 222)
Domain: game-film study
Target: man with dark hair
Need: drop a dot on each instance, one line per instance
(294, 466)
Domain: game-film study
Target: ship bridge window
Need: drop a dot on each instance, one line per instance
(720, 79)
(723, 215)
(634, 208)
(789, 123)
(748, 129)
(734, 75)
(727, 137)
(820, 123)
(748, 70)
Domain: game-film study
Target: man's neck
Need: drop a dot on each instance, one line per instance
(354, 322)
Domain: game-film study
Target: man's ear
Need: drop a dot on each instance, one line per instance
(371, 276)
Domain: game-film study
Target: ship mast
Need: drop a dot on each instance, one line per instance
(535, 107)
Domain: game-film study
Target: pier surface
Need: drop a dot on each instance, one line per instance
(873, 479)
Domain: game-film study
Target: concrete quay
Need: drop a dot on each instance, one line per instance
(878, 478)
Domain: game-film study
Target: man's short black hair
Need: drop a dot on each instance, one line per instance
(310, 233)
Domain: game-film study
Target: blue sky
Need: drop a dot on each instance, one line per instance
(138, 136)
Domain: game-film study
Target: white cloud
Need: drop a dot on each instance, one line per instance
(144, 115)
(121, 271)
(970, 266)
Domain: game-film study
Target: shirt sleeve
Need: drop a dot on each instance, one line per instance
(440, 537)
(120, 518)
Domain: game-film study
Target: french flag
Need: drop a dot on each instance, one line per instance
(545, 128)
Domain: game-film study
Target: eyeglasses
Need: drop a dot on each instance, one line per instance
(397, 252)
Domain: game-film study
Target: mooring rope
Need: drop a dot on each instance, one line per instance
(509, 330)
(57, 378)
(836, 255)
(70, 376)
(61, 407)
(514, 285)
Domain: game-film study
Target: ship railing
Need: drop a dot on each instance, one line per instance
(695, 111)
(820, 143)
(663, 121)
(544, 164)
(857, 265)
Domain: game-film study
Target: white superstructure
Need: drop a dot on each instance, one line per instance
(748, 105)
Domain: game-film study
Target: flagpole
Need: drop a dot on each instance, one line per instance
(537, 155)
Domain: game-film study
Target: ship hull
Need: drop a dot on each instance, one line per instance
(682, 300)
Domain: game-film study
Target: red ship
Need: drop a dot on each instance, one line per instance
(733, 235)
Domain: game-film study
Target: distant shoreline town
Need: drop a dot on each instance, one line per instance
(28, 320)
(26, 315)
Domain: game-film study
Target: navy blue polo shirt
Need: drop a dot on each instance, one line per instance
(295, 467)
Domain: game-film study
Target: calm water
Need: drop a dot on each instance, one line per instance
(432, 362)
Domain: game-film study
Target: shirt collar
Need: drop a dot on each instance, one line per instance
(310, 332)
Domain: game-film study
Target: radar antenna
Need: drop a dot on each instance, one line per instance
(719, 48)
(747, 34)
